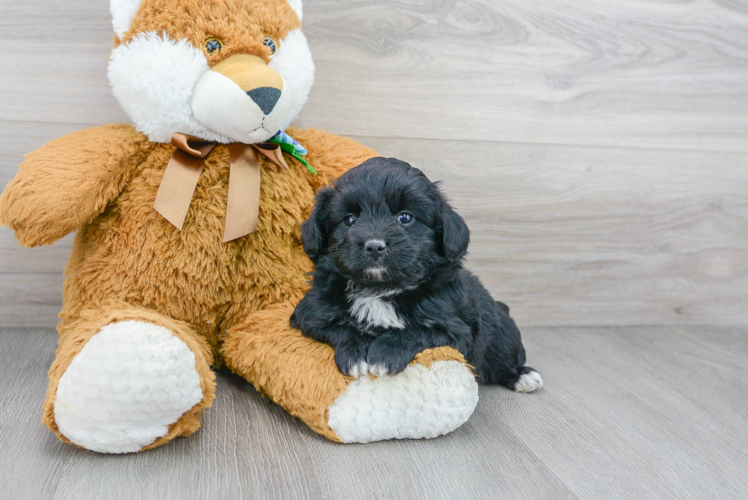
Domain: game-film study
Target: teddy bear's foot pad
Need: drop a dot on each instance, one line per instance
(128, 384)
(418, 403)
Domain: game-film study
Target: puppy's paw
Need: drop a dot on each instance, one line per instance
(352, 367)
(363, 368)
(359, 369)
(529, 381)
(384, 359)
(378, 370)
(351, 360)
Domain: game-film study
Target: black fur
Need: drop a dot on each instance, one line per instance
(421, 275)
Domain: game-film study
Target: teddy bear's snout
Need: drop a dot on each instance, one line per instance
(242, 98)
(249, 73)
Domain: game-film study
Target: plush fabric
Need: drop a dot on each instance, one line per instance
(366, 411)
(154, 71)
(185, 297)
(300, 374)
(75, 333)
(71, 180)
(242, 24)
(126, 387)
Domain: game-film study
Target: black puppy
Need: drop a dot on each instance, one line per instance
(389, 281)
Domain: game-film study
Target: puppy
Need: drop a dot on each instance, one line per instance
(389, 280)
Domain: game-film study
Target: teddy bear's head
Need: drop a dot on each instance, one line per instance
(221, 70)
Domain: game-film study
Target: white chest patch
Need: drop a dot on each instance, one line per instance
(375, 310)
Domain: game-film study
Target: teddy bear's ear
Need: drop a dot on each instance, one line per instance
(123, 12)
(296, 6)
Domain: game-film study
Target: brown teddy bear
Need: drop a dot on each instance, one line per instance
(187, 254)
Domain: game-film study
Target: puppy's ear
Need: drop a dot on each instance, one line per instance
(314, 229)
(455, 233)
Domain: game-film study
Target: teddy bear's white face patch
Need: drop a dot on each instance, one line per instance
(166, 86)
(123, 12)
(153, 78)
(294, 62)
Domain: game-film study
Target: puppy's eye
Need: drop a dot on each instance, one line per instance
(405, 218)
(213, 45)
(271, 44)
(349, 220)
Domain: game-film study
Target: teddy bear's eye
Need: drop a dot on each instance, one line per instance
(271, 44)
(213, 45)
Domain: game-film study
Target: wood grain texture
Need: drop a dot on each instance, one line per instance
(565, 235)
(30, 299)
(599, 150)
(656, 74)
(635, 412)
(590, 236)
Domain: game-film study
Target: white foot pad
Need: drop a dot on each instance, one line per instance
(418, 403)
(128, 384)
(529, 382)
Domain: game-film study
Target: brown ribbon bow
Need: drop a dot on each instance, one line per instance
(183, 172)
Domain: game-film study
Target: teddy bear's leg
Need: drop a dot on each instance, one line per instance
(435, 395)
(127, 379)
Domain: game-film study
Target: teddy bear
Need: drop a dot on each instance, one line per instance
(187, 255)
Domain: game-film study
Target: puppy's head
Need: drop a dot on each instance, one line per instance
(384, 223)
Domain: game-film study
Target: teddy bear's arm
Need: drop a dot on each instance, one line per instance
(69, 181)
(330, 155)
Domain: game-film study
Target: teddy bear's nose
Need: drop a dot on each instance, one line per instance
(265, 97)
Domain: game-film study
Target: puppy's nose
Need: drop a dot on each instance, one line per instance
(375, 248)
(265, 97)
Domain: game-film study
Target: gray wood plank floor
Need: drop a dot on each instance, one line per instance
(627, 412)
(599, 151)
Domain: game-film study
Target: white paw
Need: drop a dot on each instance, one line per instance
(417, 403)
(529, 382)
(378, 370)
(128, 384)
(363, 368)
(359, 369)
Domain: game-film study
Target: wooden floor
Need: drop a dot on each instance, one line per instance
(627, 412)
(599, 152)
